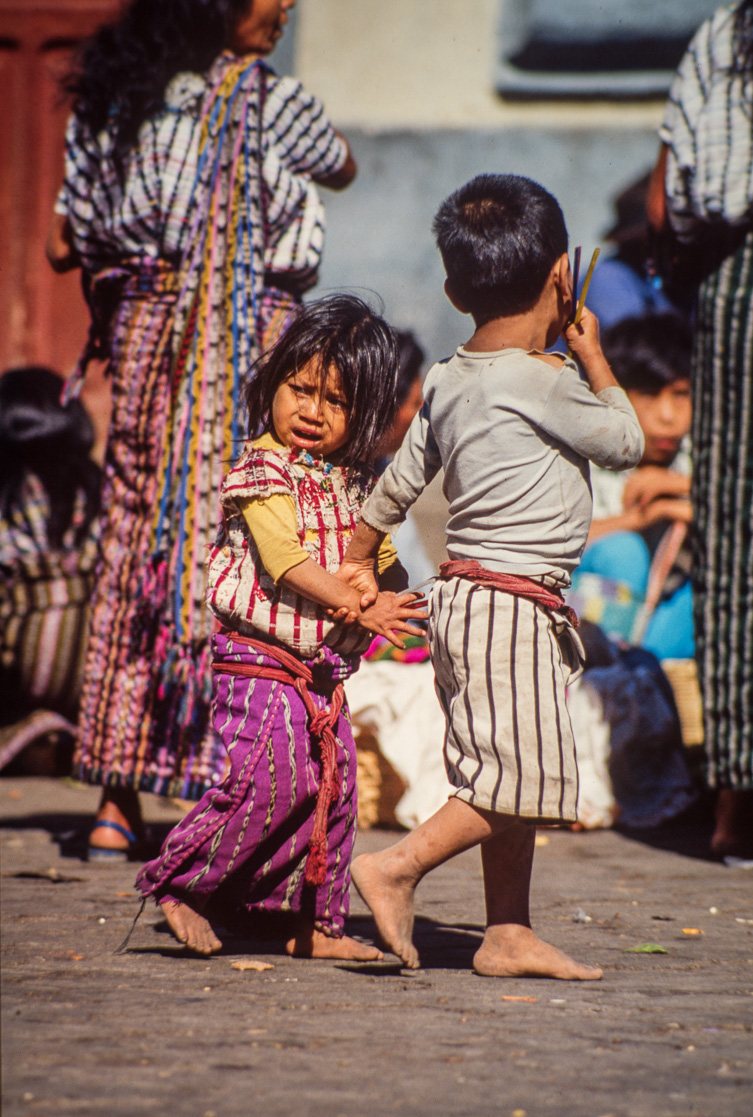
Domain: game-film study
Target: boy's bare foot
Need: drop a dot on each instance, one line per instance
(190, 928)
(389, 894)
(315, 944)
(510, 950)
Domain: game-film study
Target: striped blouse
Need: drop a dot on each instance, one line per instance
(708, 126)
(242, 594)
(149, 215)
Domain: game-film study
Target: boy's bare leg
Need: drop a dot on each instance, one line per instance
(190, 928)
(308, 942)
(387, 880)
(510, 948)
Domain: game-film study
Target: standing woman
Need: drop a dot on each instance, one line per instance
(703, 187)
(189, 204)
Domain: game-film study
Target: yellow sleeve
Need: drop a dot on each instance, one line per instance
(273, 525)
(387, 554)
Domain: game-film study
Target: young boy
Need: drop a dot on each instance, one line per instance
(650, 358)
(513, 428)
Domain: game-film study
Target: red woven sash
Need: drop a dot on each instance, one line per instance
(509, 583)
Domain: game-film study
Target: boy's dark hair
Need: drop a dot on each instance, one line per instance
(343, 331)
(411, 357)
(499, 236)
(648, 352)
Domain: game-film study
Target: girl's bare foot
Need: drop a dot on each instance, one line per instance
(511, 950)
(190, 928)
(314, 944)
(388, 890)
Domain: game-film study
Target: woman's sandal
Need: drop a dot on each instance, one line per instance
(103, 853)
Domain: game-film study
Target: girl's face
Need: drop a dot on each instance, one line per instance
(310, 411)
(258, 31)
(664, 419)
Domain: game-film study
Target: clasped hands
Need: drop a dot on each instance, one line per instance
(383, 612)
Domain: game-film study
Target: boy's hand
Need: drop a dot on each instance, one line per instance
(361, 576)
(585, 344)
(584, 339)
(389, 614)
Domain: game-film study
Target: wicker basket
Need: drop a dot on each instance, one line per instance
(380, 788)
(683, 678)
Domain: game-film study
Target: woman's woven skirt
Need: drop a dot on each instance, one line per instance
(722, 494)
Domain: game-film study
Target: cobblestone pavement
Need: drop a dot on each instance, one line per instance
(154, 1030)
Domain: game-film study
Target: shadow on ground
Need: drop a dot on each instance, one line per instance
(689, 834)
(70, 831)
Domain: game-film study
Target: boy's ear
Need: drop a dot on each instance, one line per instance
(562, 275)
(454, 299)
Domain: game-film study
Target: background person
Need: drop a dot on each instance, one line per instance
(189, 204)
(49, 505)
(702, 195)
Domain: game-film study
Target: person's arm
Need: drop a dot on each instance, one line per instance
(651, 482)
(59, 249)
(585, 342)
(272, 525)
(339, 179)
(656, 202)
(389, 614)
(303, 137)
(416, 463)
(595, 419)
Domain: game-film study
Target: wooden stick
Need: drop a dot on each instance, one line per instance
(584, 292)
(576, 272)
(586, 284)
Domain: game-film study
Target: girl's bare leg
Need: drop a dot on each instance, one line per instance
(510, 948)
(387, 880)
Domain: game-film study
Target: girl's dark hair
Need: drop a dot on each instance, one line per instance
(649, 352)
(499, 236)
(123, 69)
(343, 331)
(39, 435)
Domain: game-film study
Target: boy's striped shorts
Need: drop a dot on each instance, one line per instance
(501, 677)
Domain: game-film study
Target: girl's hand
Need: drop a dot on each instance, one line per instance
(389, 613)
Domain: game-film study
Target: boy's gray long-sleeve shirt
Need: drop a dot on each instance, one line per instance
(514, 436)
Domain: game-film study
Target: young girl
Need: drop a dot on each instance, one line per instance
(277, 834)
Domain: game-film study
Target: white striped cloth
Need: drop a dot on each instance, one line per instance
(501, 677)
(149, 214)
(708, 126)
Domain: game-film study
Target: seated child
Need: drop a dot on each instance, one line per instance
(277, 834)
(650, 357)
(49, 530)
(514, 428)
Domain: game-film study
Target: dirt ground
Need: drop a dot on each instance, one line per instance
(87, 1031)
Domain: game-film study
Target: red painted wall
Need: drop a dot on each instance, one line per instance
(43, 317)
